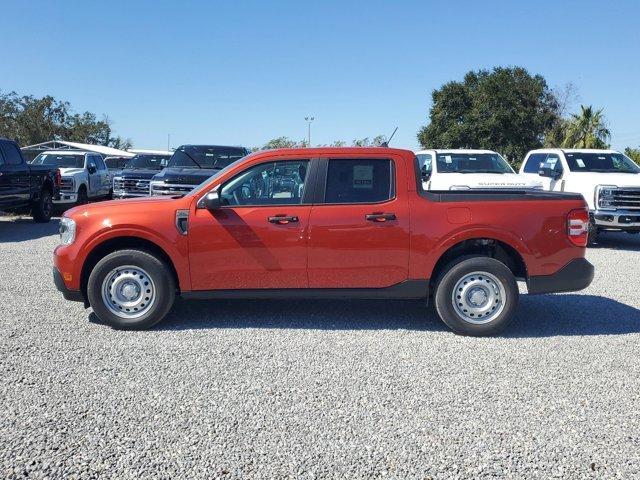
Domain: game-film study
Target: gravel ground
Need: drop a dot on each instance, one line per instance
(241, 389)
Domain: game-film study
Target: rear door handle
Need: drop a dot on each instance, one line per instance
(380, 217)
(282, 219)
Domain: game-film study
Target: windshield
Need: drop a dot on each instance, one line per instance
(148, 161)
(600, 162)
(63, 161)
(202, 156)
(472, 163)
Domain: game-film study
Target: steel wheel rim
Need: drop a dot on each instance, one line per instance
(478, 297)
(128, 291)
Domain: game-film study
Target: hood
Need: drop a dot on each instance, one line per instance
(443, 181)
(68, 171)
(127, 206)
(138, 173)
(599, 178)
(185, 176)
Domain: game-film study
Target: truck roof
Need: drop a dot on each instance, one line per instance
(335, 150)
(574, 150)
(455, 150)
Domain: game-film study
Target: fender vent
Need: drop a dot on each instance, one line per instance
(182, 221)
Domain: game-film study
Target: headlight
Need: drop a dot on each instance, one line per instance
(67, 231)
(459, 187)
(604, 196)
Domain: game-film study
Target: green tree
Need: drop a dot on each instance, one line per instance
(633, 154)
(282, 142)
(377, 141)
(505, 109)
(30, 120)
(588, 129)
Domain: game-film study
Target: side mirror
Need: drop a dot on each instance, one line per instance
(211, 201)
(424, 173)
(550, 173)
(92, 168)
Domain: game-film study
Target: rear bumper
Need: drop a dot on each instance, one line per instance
(575, 275)
(73, 295)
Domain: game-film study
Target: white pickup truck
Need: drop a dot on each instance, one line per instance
(84, 175)
(470, 170)
(608, 180)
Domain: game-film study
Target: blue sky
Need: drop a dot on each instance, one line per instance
(245, 72)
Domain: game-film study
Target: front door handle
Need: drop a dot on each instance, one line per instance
(282, 219)
(380, 217)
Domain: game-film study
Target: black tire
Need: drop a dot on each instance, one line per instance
(497, 315)
(83, 197)
(43, 208)
(592, 235)
(163, 284)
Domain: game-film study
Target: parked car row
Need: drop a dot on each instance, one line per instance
(608, 180)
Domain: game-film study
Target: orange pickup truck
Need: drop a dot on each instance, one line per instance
(324, 222)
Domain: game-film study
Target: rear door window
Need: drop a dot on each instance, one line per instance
(11, 154)
(359, 181)
(99, 162)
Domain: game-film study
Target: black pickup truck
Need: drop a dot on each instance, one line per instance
(26, 187)
(190, 165)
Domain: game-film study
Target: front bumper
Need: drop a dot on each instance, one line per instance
(617, 219)
(66, 197)
(121, 194)
(575, 275)
(73, 295)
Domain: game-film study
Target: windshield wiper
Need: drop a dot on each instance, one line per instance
(478, 171)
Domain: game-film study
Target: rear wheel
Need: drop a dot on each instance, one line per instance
(131, 289)
(43, 208)
(477, 296)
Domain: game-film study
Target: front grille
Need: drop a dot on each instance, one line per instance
(170, 188)
(131, 186)
(626, 198)
(66, 184)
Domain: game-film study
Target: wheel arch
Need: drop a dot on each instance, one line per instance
(113, 244)
(482, 246)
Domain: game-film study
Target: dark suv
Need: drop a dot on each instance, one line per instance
(190, 165)
(134, 179)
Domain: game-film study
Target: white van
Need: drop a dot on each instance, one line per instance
(470, 170)
(608, 180)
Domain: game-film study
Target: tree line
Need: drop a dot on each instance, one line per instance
(511, 111)
(29, 120)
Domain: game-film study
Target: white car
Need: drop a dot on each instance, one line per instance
(84, 175)
(608, 180)
(470, 170)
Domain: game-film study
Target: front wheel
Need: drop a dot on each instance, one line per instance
(131, 289)
(83, 197)
(477, 296)
(43, 208)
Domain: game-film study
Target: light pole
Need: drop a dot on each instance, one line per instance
(309, 120)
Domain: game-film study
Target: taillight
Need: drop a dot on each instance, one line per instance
(58, 178)
(578, 227)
